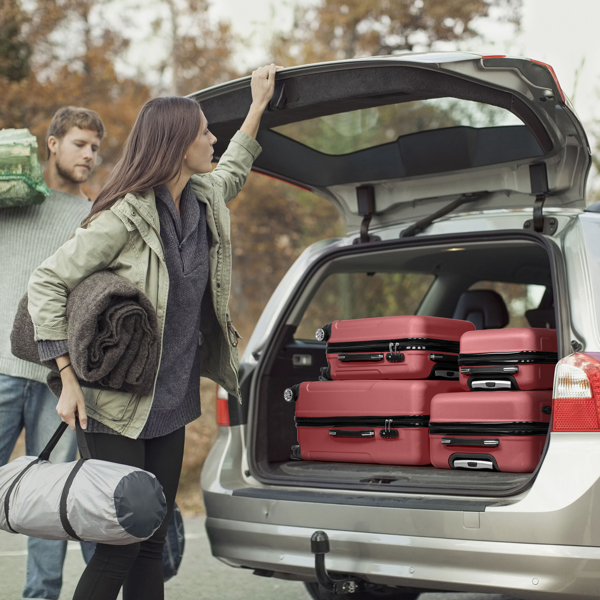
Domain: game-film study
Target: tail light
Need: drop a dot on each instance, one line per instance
(577, 393)
(222, 407)
(560, 91)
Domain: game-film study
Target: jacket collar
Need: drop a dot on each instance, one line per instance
(145, 204)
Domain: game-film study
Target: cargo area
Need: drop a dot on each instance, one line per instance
(498, 281)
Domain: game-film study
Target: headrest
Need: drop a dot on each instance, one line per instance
(543, 316)
(484, 308)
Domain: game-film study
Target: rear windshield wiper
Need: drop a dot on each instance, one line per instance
(427, 221)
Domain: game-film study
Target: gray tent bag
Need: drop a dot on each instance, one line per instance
(87, 500)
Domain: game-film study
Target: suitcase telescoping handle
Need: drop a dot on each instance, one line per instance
(452, 441)
(364, 433)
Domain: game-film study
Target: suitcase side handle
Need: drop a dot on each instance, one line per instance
(452, 441)
(490, 384)
(361, 357)
(364, 433)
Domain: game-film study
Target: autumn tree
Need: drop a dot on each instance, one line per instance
(338, 29)
(80, 73)
(200, 50)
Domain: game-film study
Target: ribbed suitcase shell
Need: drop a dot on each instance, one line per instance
(329, 404)
(516, 420)
(526, 357)
(424, 342)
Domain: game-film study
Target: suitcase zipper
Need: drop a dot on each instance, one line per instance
(525, 357)
(399, 345)
(525, 428)
(385, 422)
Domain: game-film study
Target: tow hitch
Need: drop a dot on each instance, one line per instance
(319, 546)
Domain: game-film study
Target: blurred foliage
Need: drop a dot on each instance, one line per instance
(271, 224)
(201, 52)
(361, 296)
(347, 132)
(338, 29)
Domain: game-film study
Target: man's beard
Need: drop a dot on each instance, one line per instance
(71, 176)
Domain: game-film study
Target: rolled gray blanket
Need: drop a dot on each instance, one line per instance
(113, 336)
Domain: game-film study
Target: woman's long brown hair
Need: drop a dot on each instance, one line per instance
(154, 151)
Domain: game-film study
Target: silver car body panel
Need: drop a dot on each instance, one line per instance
(549, 533)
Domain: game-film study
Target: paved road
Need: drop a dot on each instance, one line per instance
(201, 576)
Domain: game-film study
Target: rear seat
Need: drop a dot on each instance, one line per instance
(484, 308)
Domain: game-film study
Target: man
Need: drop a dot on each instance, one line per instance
(28, 235)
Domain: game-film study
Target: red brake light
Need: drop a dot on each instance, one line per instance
(222, 407)
(494, 56)
(562, 95)
(577, 393)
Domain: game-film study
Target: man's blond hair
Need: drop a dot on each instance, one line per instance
(74, 116)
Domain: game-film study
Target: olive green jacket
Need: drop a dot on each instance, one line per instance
(126, 240)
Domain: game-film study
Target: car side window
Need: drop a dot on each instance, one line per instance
(363, 295)
(518, 297)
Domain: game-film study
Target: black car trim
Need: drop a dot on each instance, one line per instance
(356, 500)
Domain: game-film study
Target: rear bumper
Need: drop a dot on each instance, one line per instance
(543, 543)
(521, 570)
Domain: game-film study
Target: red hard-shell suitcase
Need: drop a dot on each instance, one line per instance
(503, 431)
(384, 422)
(517, 359)
(408, 347)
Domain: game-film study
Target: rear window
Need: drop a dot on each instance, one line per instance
(348, 132)
(363, 295)
(518, 297)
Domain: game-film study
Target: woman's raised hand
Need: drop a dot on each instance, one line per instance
(263, 84)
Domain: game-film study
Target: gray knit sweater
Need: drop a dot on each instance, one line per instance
(184, 235)
(29, 235)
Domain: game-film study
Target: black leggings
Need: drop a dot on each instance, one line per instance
(135, 567)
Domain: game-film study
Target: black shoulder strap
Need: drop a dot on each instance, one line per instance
(13, 485)
(45, 453)
(82, 442)
(64, 520)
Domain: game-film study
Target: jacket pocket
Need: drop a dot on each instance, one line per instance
(112, 405)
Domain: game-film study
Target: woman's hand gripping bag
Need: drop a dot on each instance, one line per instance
(88, 500)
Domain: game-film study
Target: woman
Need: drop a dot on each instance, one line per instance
(185, 271)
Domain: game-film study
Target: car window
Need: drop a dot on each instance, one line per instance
(355, 130)
(518, 298)
(363, 295)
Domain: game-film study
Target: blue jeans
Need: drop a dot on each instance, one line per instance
(31, 405)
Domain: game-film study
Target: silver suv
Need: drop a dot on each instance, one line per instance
(454, 173)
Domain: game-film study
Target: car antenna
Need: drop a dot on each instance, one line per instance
(427, 221)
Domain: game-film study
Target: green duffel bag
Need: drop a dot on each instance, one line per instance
(21, 180)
